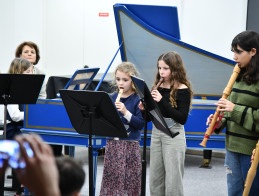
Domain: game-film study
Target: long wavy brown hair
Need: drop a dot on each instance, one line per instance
(178, 74)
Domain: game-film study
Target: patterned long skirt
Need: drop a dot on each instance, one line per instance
(122, 169)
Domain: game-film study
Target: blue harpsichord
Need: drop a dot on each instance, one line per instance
(146, 32)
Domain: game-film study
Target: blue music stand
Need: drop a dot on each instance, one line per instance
(81, 79)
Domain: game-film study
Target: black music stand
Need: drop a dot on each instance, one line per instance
(18, 89)
(92, 113)
(156, 117)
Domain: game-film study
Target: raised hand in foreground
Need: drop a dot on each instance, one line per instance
(40, 175)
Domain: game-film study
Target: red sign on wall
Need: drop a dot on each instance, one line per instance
(103, 14)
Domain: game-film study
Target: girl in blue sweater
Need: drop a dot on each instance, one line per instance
(122, 161)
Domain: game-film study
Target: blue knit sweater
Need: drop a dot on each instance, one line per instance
(136, 122)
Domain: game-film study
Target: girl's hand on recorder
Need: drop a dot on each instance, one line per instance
(226, 105)
(156, 95)
(209, 120)
(121, 107)
(140, 106)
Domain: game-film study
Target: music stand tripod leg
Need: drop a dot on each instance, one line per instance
(90, 153)
(5, 98)
(95, 163)
(2, 178)
(144, 162)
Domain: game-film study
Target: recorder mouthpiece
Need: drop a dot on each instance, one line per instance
(159, 83)
(119, 95)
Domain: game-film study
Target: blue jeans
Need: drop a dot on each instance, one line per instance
(237, 167)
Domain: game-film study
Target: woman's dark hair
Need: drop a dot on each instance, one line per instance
(19, 49)
(247, 40)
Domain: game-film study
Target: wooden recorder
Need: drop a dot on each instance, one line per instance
(226, 93)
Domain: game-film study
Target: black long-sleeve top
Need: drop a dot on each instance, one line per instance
(183, 99)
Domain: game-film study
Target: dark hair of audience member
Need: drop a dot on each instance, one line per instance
(71, 175)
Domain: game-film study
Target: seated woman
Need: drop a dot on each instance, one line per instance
(30, 51)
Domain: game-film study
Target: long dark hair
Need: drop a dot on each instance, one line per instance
(178, 74)
(247, 40)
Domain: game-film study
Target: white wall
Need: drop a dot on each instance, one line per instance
(71, 34)
(102, 34)
(212, 24)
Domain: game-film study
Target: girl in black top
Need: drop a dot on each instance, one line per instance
(174, 100)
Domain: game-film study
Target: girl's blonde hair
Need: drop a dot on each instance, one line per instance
(178, 74)
(129, 69)
(18, 66)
